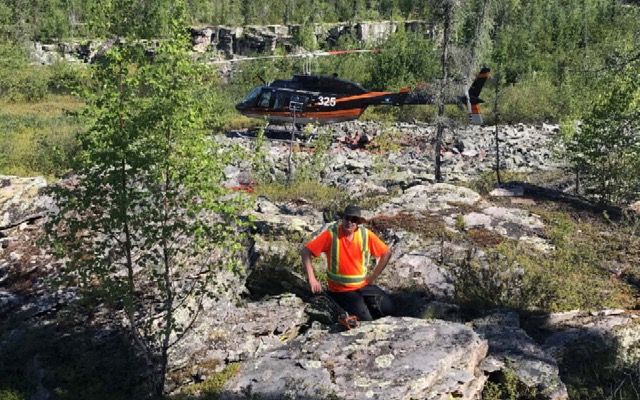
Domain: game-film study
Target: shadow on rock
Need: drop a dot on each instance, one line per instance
(65, 359)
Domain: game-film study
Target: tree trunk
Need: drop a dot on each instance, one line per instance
(443, 82)
(496, 117)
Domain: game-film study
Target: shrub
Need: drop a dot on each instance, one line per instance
(570, 276)
(590, 371)
(487, 180)
(19, 80)
(605, 149)
(66, 78)
(24, 84)
(532, 100)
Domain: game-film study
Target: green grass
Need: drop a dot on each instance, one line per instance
(486, 181)
(38, 138)
(593, 265)
(52, 106)
(320, 196)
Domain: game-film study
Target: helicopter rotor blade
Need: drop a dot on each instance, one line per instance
(303, 55)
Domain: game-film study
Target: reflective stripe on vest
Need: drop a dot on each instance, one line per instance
(333, 273)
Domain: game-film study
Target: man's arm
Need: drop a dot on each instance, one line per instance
(314, 284)
(382, 263)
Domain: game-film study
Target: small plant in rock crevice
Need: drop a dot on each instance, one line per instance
(485, 183)
(210, 389)
(505, 385)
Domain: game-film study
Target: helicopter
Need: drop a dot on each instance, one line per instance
(328, 99)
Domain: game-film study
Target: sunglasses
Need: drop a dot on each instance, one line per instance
(351, 218)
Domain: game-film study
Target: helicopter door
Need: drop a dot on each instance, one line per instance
(282, 99)
(266, 99)
(297, 103)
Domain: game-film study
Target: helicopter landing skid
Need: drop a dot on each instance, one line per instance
(275, 135)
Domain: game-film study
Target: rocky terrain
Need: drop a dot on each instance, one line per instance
(285, 340)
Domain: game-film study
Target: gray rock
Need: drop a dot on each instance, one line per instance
(226, 332)
(614, 331)
(8, 301)
(436, 360)
(511, 347)
(418, 272)
(432, 198)
(21, 200)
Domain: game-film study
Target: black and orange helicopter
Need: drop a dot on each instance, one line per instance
(327, 99)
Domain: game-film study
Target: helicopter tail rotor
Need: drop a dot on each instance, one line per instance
(472, 96)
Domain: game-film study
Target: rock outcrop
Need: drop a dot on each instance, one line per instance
(360, 172)
(287, 341)
(391, 358)
(22, 200)
(226, 42)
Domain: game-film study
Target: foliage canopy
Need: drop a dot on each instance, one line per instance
(145, 224)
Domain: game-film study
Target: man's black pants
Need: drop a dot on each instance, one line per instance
(367, 303)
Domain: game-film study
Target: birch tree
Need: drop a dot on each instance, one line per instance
(149, 225)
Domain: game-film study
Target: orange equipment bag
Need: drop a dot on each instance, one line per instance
(348, 321)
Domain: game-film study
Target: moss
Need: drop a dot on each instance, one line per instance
(425, 224)
(209, 389)
(505, 385)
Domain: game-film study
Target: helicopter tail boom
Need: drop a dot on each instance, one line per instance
(471, 97)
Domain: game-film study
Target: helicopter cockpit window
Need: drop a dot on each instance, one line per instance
(253, 94)
(265, 98)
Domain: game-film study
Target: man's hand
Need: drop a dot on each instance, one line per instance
(315, 285)
(382, 262)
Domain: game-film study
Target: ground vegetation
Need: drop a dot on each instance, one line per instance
(570, 62)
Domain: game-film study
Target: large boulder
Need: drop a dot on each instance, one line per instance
(391, 358)
(615, 332)
(510, 347)
(228, 332)
(22, 199)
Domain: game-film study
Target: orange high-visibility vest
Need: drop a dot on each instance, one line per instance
(340, 275)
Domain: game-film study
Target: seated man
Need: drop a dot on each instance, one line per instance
(348, 247)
